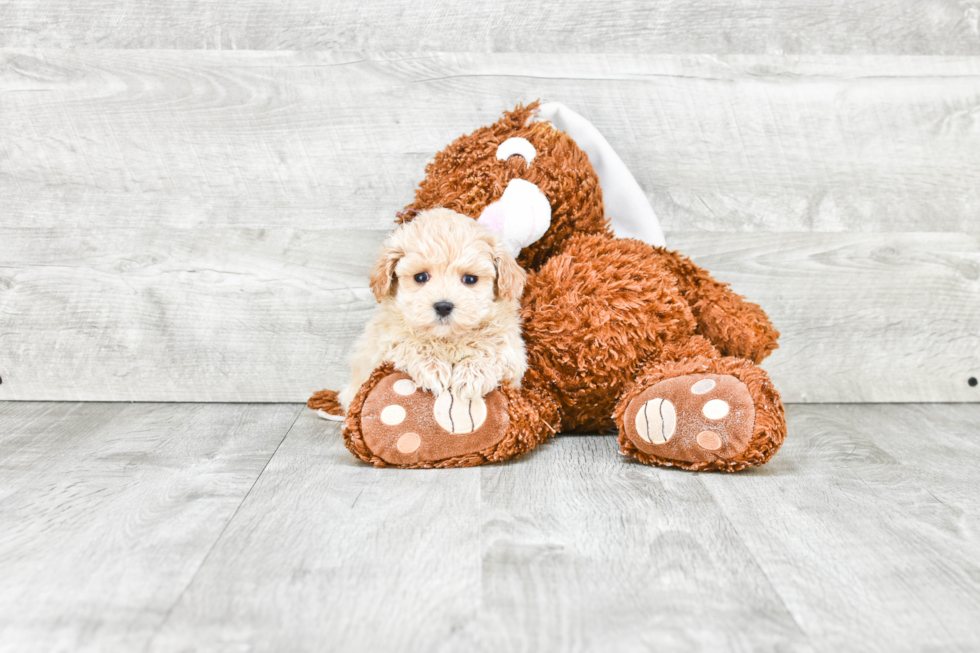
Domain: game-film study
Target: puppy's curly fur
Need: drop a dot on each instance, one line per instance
(449, 297)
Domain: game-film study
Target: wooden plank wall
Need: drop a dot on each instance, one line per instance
(190, 197)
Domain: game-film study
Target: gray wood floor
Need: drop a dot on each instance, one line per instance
(206, 527)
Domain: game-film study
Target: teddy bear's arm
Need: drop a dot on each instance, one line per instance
(735, 326)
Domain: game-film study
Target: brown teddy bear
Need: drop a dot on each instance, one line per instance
(619, 333)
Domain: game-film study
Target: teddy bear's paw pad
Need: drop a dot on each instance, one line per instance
(459, 416)
(405, 425)
(693, 418)
(656, 421)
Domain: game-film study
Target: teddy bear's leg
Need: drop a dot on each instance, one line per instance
(392, 423)
(701, 411)
(735, 326)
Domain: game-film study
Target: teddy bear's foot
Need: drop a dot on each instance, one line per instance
(696, 418)
(403, 426)
(723, 414)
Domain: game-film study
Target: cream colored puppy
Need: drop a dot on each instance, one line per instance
(449, 296)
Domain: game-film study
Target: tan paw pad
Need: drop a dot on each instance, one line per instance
(703, 386)
(459, 416)
(404, 387)
(656, 421)
(404, 425)
(409, 443)
(692, 418)
(709, 440)
(392, 415)
(716, 409)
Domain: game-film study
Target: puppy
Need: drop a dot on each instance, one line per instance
(449, 296)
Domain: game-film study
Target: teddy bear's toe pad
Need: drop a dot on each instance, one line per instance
(404, 425)
(693, 418)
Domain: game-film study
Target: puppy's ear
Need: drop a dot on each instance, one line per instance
(383, 272)
(510, 276)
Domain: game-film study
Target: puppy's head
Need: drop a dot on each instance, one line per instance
(445, 273)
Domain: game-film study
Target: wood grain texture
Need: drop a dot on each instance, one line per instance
(338, 141)
(181, 315)
(752, 26)
(863, 525)
(535, 555)
(108, 510)
(271, 315)
(584, 550)
(168, 528)
(859, 535)
(359, 559)
(197, 226)
(863, 317)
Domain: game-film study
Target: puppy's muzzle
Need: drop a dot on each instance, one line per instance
(443, 309)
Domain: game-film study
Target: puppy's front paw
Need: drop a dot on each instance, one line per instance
(433, 375)
(473, 380)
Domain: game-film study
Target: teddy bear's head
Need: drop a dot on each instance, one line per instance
(508, 175)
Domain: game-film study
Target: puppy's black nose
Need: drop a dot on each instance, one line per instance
(443, 308)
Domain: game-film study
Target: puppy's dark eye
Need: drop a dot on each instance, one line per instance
(421, 277)
(469, 279)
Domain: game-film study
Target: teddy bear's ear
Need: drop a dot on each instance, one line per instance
(383, 272)
(510, 276)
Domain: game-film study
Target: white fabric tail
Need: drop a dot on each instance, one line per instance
(626, 205)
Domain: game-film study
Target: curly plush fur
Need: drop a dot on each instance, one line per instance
(605, 318)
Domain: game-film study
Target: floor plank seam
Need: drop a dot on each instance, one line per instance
(759, 567)
(204, 560)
